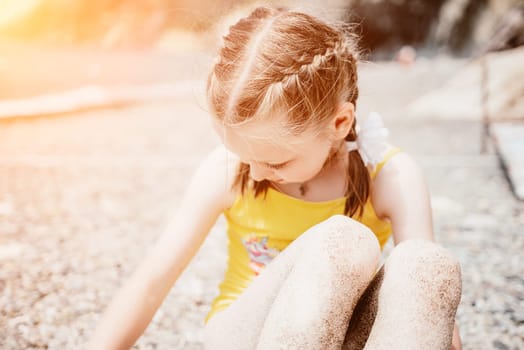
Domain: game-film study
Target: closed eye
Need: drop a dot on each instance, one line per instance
(277, 166)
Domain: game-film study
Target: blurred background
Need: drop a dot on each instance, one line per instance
(103, 119)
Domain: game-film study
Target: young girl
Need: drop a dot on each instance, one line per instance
(310, 199)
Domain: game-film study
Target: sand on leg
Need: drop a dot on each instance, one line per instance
(411, 303)
(364, 315)
(305, 297)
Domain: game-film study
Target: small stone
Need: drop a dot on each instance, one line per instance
(479, 222)
(500, 345)
(518, 315)
(11, 250)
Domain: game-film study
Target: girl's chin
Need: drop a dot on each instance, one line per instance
(285, 182)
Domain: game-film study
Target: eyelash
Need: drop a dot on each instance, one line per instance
(276, 166)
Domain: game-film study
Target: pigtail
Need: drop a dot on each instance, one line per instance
(243, 181)
(359, 181)
(241, 178)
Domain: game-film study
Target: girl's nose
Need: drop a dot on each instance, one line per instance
(258, 172)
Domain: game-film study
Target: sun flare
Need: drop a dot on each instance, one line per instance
(13, 10)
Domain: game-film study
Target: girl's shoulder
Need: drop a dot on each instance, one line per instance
(396, 178)
(218, 171)
(395, 162)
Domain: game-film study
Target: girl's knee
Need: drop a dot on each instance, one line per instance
(345, 241)
(422, 254)
(430, 266)
(349, 232)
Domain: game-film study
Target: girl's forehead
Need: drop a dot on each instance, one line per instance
(263, 141)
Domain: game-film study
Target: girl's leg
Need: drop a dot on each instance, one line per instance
(304, 298)
(411, 303)
(364, 315)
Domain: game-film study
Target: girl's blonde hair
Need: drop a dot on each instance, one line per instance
(279, 60)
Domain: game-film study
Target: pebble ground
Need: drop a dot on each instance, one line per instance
(82, 196)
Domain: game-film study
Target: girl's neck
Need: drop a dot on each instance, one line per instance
(329, 183)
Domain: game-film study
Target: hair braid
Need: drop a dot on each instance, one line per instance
(311, 64)
(303, 67)
(358, 180)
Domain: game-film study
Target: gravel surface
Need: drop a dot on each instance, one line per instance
(82, 197)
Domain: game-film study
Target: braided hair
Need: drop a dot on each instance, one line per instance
(276, 60)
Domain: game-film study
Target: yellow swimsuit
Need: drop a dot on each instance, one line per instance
(259, 228)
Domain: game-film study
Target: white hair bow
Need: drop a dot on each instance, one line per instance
(371, 140)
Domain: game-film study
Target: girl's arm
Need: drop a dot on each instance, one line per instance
(133, 307)
(400, 195)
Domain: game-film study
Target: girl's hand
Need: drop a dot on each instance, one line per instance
(456, 343)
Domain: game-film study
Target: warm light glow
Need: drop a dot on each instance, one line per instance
(13, 10)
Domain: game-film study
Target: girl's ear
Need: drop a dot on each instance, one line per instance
(343, 120)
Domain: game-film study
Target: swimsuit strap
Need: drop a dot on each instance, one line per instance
(387, 157)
